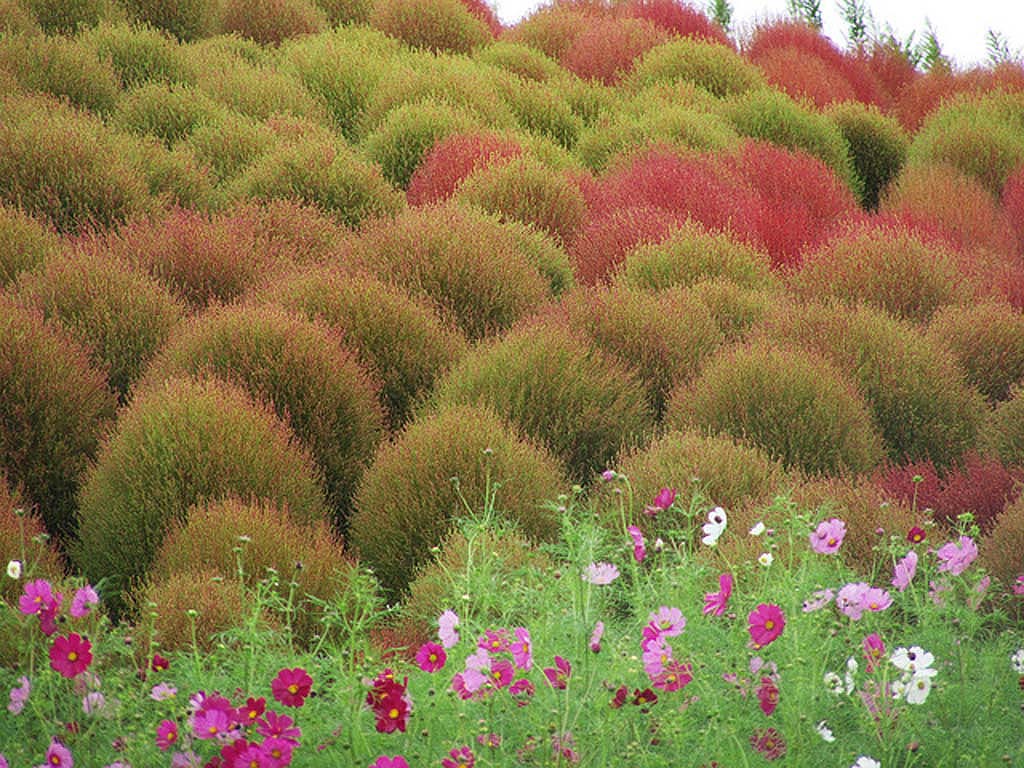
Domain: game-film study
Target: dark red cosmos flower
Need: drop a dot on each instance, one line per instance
(291, 687)
(768, 695)
(769, 743)
(70, 655)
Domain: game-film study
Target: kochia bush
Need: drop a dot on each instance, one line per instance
(434, 25)
(606, 49)
(270, 22)
(452, 159)
(715, 68)
(26, 242)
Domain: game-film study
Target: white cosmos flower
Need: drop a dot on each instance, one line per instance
(715, 526)
(758, 529)
(851, 670)
(825, 732)
(766, 559)
(912, 659)
(919, 686)
(1017, 659)
(14, 569)
(866, 762)
(834, 683)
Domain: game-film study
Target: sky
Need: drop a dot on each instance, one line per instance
(960, 26)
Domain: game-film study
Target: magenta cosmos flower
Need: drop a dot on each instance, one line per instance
(522, 649)
(904, 571)
(459, 758)
(431, 657)
(291, 687)
(83, 601)
(765, 623)
(558, 676)
(166, 734)
(58, 756)
(37, 595)
(955, 557)
(389, 762)
(70, 655)
(768, 695)
(828, 536)
(639, 546)
(715, 602)
(665, 498)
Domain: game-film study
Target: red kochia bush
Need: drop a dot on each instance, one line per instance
(553, 28)
(805, 77)
(606, 48)
(981, 485)
(1013, 205)
(675, 17)
(802, 200)
(452, 159)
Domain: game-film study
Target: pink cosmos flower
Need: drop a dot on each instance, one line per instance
(83, 600)
(186, 760)
(674, 676)
(166, 734)
(639, 547)
(19, 696)
(446, 624)
(58, 756)
(3, 762)
(389, 762)
(874, 651)
(558, 676)
(850, 599)
(769, 743)
(656, 655)
(600, 574)
(608, 475)
(522, 649)
(492, 740)
(904, 571)
(210, 723)
(502, 673)
(459, 758)
(522, 691)
(668, 621)
(828, 536)
(275, 726)
(765, 623)
(595, 637)
(278, 752)
(70, 655)
(48, 615)
(768, 695)
(431, 657)
(714, 602)
(955, 557)
(665, 498)
(1018, 585)
(291, 687)
(37, 594)
(494, 641)
(818, 600)
(875, 599)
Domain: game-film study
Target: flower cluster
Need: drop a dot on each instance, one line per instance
(500, 656)
(916, 681)
(665, 672)
(389, 702)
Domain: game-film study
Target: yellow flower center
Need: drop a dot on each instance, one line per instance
(393, 714)
(293, 689)
(769, 624)
(72, 656)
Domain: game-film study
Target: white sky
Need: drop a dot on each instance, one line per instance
(960, 26)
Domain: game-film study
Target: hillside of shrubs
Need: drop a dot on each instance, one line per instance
(329, 277)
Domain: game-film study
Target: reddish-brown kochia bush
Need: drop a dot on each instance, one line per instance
(801, 200)
(805, 77)
(1013, 205)
(892, 69)
(676, 17)
(1003, 433)
(452, 159)
(607, 48)
(1000, 550)
(603, 242)
(271, 22)
(981, 485)
(552, 29)
(20, 530)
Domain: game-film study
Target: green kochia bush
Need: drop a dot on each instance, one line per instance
(229, 143)
(181, 443)
(580, 402)
(913, 386)
(409, 497)
(119, 313)
(715, 68)
(300, 366)
(185, 19)
(169, 112)
(270, 22)
(878, 146)
(463, 260)
(1003, 432)
(792, 403)
(434, 25)
(26, 243)
(139, 54)
(54, 405)
(90, 182)
(397, 337)
(67, 16)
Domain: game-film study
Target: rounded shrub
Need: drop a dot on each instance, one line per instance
(606, 49)
(913, 387)
(200, 258)
(878, 146)
(314, 382)
(53, 408)
(23, 537)
(604, 242)
(180, 443)
(887, 265)
(292, 233)
(805, 78)
(324, 173)
(769, 115)
(664, 337)
(519, 59)
(229, 143)
(958, 205)
(118, 312)
(270, 22)
(1000, 549)
(185, 19)
(192, 606)
(26, 243)
(716, 68)
(690, 254)
(434, 25)
(677, 18)
(736, 308)
(583, 404)
(346, 12)
(541, 109)
(309, 556)
(527, 191)
(718, 469)
(89, 183)
(139, 54)
(987, 340)
(453, 158)
(62, 68)
(801, 200)
(409, 131)
(168, 111)
(540, 248)
(174, 176)
(462, 260)
(1003, 431)
(398, 338)
(65, 17)
(794, 404)
(408, 499)
(982, 137)
(551, 29)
